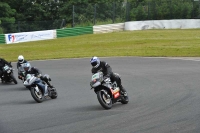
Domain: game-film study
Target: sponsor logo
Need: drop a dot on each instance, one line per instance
(16, 37)
(11, 38)
(116, 95)
(115, 92)
(39, 36)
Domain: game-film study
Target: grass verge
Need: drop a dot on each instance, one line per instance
(147, 43)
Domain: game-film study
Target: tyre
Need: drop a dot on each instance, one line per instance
(104, 100)
(13, 78)
(37, 96)
(54, 94)
(124, 99)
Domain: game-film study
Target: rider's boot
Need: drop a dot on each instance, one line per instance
(123, 91)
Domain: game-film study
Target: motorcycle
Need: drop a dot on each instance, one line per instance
(32, 83)
(107, 93)
(8, 75)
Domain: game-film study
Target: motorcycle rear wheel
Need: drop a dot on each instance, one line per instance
(103, 100)
(54, 94)
(38, 97)
(124, 99)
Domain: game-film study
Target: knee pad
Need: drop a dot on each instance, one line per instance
(46, 78)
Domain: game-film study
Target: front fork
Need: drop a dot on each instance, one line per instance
(106, 94)
(43, 86)
(37, 89)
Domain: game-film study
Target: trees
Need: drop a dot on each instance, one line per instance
(163, 9)
(6, 13)
(28, 14)
(6, 16)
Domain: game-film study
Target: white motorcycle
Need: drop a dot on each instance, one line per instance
(33, 84)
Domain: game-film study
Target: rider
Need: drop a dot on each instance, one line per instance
(21, 61)
(3, 62)
(33, 70)
(104, 67)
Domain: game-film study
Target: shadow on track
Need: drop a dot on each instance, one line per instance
(117, 106)
(86, 108)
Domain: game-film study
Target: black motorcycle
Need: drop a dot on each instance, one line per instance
(8, 75)
(107, 93)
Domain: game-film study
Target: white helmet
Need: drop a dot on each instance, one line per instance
(21, 59)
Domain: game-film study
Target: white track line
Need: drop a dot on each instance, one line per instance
(174, 58)
(179, 58)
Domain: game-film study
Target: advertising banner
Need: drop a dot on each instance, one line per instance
(29, 36)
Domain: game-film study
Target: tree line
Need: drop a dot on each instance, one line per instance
(30, 15)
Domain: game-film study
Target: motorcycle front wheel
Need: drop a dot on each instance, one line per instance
(104, 100)
(13, 78)
(37, 96)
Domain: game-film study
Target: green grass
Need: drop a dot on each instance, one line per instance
(148, 43)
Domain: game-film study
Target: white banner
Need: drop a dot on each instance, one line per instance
(163, 24)
(29, 36)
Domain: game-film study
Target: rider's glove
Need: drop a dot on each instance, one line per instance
(41, 77)
(23, 73)
(107, 80)
(19, 77)
(38, 75)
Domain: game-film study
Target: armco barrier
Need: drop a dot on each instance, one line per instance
(108, 28)
(2, 39)
(74, 31)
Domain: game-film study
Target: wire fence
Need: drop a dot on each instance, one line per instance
(26, 26)
(108, 13)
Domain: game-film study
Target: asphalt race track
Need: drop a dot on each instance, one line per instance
(164, 98)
